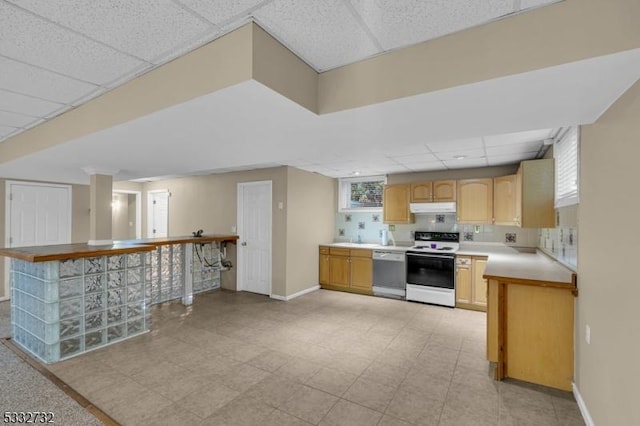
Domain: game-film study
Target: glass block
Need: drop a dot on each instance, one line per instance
(92, 321)
(69, 288)
(70, 327)
(70, 307)
(94, 265)
(135, 293)
(134, 260)
(115, 315)
(70, 268)
(94, 283)
(70, 347)
(93, 302)
(115, 279)
(115, 262)
(93, 339)
(134, 276)
(147, 258)
(136, 326)
(115, 332)
(135, 310)
(114, 297)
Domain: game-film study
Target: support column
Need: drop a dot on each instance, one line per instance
(101, 195)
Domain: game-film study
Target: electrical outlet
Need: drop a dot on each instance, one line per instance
(476, 229)
(392, 227)
(587, 334)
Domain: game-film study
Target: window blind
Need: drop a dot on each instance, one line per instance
(565, 152)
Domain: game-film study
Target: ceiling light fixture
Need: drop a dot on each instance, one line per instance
(460, 157)
(356, 173)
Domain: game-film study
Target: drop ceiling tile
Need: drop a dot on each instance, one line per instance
(221, 11)
(398, 151)
(14, 120)
(6, 131)
(518, 148)
(323, 33)
(27, 105)
(416, 158)
(466, 164)
(467, 153)
(32, 81)
(405, 22)
(36, 41)
(520, 137)
(527, 4)
(427, 167)
(455, 145)
(144, 28)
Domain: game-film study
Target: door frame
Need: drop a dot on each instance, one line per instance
(7, 222)
(240, 220)
(138, 195)
(150, 210)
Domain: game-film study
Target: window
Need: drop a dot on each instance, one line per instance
(565, 152)
(361, 193)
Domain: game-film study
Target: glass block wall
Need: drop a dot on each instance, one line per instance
(165, 273)
(63, 308)
(206, 267)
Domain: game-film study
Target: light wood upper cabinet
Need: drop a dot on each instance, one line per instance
(505, 197)
(395, 204)
(438, 191)
(444, 190)
(422, 192)
(475, 201)
(537, 194)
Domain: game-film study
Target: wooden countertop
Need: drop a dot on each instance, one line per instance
(73, 251)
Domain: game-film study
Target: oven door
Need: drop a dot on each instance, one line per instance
(431, 270)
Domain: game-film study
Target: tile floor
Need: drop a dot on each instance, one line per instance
(326, 358)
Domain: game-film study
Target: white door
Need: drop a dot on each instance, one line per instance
(254, 230)
(36, 214)
(158, 217)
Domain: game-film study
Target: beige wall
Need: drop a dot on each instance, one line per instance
(120, 217)
(100, 213)
(209, 203)
(607, 370)
(310, 222)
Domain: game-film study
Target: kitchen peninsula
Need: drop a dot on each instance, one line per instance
(72, 298)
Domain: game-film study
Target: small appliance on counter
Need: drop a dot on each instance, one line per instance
(384, 237)
(431, 268)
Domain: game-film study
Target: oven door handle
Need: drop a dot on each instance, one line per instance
(431, 255)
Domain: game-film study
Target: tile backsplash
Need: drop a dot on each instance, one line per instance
(560, 243)
(368, 227)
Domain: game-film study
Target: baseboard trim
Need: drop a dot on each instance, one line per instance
(294, 295)
(583, 408)
(5, 299)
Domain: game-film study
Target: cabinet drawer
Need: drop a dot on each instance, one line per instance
(361, 253)
(463, 261)
(324, 250)
(339, 251)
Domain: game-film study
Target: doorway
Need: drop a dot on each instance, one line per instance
(254, 229)
(158, 213)
(36, 214)
(126, 223)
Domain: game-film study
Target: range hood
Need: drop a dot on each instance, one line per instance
(425, 208)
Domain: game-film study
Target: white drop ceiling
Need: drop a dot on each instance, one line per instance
(57, 55)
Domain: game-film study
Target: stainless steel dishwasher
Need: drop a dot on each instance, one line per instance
(389, 274)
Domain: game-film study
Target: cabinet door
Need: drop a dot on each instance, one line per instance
(479, 289)
(339, 275)
(505, 197)
(361, 273)
(463, 284)
(475, 201)
(421, 192)
(324, 268)
(396, 204)
(444, 190)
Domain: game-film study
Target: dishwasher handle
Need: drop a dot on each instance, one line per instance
(391, 256)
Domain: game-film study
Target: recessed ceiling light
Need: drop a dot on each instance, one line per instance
(356, 173)
(460, 157)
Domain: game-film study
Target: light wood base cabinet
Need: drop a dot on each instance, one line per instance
(346, 269)
(471, 287)
(530, 332)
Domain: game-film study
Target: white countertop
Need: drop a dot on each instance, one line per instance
(524, 263)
